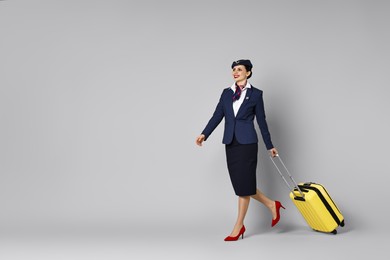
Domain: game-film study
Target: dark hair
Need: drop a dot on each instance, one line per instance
(248, 68)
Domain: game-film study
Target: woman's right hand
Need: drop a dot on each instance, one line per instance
(200, 139)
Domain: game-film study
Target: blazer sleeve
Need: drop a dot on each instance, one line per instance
(260, 117)
(215, 119)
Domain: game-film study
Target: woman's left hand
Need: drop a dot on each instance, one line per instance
(273, 152)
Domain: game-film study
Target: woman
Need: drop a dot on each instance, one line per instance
(239, 104)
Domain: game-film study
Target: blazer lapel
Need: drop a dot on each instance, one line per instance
(245, 102)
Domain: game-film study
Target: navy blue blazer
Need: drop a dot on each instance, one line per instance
(240, 125)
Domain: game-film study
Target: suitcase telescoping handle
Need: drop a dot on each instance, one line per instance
(289, 174)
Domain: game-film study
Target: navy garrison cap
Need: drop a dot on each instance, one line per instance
(242, 62)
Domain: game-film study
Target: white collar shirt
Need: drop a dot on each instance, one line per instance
(237, 104)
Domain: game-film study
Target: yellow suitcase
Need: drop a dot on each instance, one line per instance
(314, 203)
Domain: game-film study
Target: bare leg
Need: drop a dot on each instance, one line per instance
(243, 204)
(270, 204)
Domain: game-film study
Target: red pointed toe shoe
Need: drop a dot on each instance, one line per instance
(278, 205)
(242, 231)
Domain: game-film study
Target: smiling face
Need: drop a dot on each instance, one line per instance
(240, 74)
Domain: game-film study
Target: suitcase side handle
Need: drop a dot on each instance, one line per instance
(289, 174)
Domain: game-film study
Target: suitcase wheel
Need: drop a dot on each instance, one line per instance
(334, 232)
(342, 223)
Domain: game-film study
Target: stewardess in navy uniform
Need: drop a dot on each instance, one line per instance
(239, 104)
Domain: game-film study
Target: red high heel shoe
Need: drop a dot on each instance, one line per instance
(242, 231)
(278, 205)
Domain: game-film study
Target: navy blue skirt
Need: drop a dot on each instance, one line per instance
(242, 162)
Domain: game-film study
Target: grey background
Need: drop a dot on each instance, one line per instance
(101, 102)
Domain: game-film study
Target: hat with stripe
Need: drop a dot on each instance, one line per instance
(242, 62)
